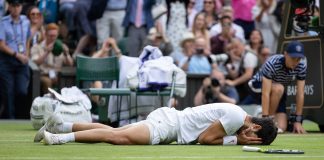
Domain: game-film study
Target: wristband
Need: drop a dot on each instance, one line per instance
(229, 140)
(296, 118)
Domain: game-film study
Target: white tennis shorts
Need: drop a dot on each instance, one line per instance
(163, 125)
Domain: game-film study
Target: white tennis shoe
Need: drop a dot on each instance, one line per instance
(52, 139)
(54, 124)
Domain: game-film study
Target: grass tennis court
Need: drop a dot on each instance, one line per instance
(16, 142)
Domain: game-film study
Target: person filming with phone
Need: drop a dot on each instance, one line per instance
(214, 89)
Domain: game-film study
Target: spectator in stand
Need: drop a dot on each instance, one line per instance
(266, 22)
(87, 29)
(219, 4)
(138, 21)
(68, 12)
(199, 62)
(211, 16)
(263, 54)
(238, 30)
(255, 42)
(157, 39)
(2, 8)
(188, 48)
(36, 22)
(50, 55)
(243, 69)
(243, 15)
(221, 40)
(191, 12)
(214, 89)
(110, 24)
(199, 28)
(177, 21)
(14, 56)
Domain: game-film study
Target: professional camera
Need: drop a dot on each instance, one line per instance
(214, 82)
(219, 58)
(209, 95)
(303, 10)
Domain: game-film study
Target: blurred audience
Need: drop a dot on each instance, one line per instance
(50, 56)
(36, 25)
(177, 21)
(242, 17)
(199, 62)
(14, 56)
(242, 68)
(199, 28)
(110, 24)
(191, 12)
(138, 21)
(255, 42)
(238, 30)
(215, 90)
(68, 12)
(157, 39)
(266, 22)
(221, 40)
(211, 16)
(187, 48)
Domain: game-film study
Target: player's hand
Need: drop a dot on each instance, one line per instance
(298, 128)
(245, 138)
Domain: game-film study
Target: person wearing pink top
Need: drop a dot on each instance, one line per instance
(243, 15)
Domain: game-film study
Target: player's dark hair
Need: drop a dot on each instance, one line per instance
(268, 132)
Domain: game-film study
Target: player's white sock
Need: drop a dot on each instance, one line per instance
(52, 139)
(68, 137)
(67, 127)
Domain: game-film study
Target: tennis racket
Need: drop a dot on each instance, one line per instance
(273, 151)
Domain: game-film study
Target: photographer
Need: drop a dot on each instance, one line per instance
(214, 90)
(199, 61)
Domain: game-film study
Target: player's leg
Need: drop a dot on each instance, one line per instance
(135, 134)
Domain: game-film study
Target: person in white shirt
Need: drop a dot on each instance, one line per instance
(211, 124)
(217, 28)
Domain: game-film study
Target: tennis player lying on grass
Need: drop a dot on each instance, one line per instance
(211, 124)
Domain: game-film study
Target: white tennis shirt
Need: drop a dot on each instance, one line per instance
(193, 121)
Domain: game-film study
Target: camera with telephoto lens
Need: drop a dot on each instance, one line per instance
(219, 58)
(214, 82)
(209, 95)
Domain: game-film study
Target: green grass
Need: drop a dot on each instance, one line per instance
(16, 142)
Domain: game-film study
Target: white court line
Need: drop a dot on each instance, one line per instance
(169, 157)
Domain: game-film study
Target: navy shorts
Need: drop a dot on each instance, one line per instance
(258, 96)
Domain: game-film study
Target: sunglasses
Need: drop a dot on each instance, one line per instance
(35, 14)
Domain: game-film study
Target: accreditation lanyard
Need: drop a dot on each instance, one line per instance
(20, 45)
